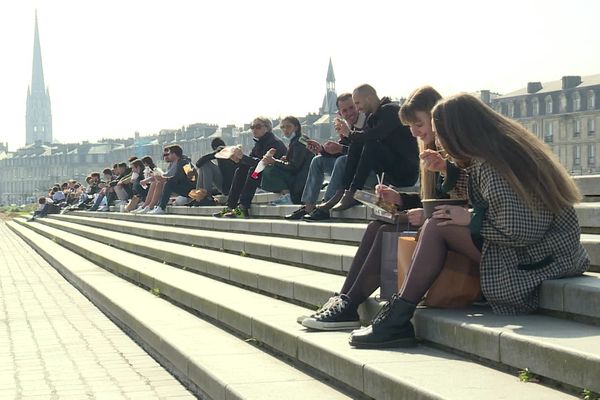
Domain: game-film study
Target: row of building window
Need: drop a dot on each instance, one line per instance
(548, 105)
(577, 128)
(591, 155)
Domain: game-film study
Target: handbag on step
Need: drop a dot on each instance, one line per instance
(458, 284)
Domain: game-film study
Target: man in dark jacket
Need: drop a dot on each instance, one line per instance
(383, 146)
(176, 178)
(244, 185)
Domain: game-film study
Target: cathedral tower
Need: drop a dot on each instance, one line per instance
(38, 116)
(329, 106)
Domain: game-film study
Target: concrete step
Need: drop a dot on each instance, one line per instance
(214, 363)
(328, 231)
(331, 231)
(172, 251)
(421, 373)
(577, 297)
(318, 255)
(589, 216)
(588, 213)
(358, 213)
(588, 184)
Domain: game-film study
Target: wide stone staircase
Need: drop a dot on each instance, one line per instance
(216, 301)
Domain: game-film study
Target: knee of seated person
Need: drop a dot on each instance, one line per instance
(340, 162)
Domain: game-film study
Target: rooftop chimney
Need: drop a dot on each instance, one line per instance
(485, 96)
(569, 82)
(533, 87)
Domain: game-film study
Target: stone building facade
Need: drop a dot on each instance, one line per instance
(564, 113)
(28, 172)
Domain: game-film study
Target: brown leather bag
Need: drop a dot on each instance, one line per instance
(458, 284)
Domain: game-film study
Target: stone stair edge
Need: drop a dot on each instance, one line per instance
(483, 340)
(344, 233)
(180, 357)
(579, 296)
(337, 232)
(264, 325)
(329, 257)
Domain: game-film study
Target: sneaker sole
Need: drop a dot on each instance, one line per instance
(311, 323)
(404, 342)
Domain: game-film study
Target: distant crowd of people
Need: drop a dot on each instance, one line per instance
(521, 227)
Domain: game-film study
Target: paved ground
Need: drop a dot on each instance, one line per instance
(55, 344)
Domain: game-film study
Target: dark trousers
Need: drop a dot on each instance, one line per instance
(374, 156)
(243, 187)
(181, 187)
(139, 191)
(364, 275)
(354, 154)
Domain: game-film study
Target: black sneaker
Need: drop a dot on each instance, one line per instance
(332, 300)
(238, 212)
(222, 212)
(318, 214)
(296, 215)
(341, 315)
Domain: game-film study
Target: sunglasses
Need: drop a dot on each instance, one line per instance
(256, 126)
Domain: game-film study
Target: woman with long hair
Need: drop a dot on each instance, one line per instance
(155, 185)
(287, 175)
(522, 230)
(439, 179)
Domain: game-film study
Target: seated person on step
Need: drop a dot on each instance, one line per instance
(522, 230)
(175, 179)
(287, 175)
(151, 179)
(245, 181)
(384, 145)
(214, 178)
(330, 159)
(439, 179)
(139, 193)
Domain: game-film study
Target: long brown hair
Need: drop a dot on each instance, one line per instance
(422, 99)
(470, 130)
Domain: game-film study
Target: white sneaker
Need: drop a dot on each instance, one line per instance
(282, 200)
(181, 201)
(157, 211)
(144, 210)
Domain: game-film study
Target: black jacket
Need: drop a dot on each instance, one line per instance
(297, 162)
(384, 126)
(296, 158)
(261, 146)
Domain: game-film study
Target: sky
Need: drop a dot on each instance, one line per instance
(115, 67)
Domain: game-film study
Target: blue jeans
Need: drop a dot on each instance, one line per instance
(319, 166)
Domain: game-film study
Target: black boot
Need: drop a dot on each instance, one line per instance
(390, 328)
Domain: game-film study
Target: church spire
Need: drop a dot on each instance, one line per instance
(329, 101)
(330, 74)
(37, 76)
(38, 119)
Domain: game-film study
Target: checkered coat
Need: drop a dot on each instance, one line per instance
(522, 247)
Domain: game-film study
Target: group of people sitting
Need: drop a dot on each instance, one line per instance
(520, 226)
